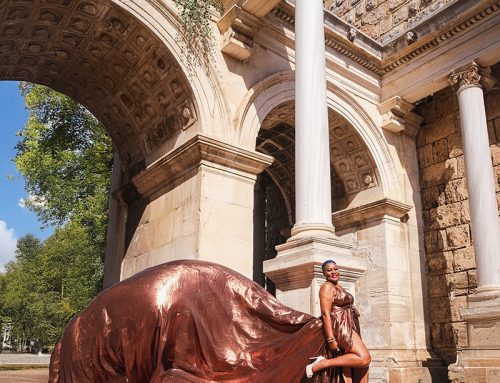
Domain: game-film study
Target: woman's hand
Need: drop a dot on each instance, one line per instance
(334, 346)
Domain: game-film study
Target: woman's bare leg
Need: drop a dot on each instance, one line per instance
(357, 357)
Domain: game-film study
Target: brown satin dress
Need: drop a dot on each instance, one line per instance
(186, 322)
(344, 320)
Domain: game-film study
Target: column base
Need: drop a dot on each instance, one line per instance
(297, 273)
(311, 230)
(480, 361)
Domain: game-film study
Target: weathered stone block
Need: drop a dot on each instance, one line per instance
(497, 127)
(472, 276)
(455, 334)
(440, 263)
(456, 190)
(438, 286)
(458, 236)
(440, 150)
(425, 157)
(460, 166)
(491, 132)
(439, 173)
(440, 310)
(455, 144)
(463, 259)
(441, 128)
(457, 304)
(437, 335)
(492, 105)
(458, 281)
(430, 197)
(495, 154)
(445, 216)
(435, 241)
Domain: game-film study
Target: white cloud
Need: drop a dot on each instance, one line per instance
(33, 201)
(8, 243)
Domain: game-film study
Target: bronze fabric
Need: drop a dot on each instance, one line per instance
(344, 319)
(187, 322)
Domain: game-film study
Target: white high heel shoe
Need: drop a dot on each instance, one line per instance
(309, 367)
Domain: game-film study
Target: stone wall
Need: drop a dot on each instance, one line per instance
(383, 20)
(450, 263)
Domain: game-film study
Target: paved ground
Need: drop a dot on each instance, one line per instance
(25, 376)
(37, 375)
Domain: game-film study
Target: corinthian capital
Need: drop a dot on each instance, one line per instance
(472, 76)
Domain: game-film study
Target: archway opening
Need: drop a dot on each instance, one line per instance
(352, 171)
(104, 58)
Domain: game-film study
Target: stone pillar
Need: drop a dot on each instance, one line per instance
(312, 155)
(479, 175)
(115, 237)
(296, 270)
(186, 203)
(481, 359)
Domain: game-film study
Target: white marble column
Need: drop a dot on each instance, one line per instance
(482, 313)
(479, 175)
(312, 157)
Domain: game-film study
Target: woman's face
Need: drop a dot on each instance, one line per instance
(331, 272)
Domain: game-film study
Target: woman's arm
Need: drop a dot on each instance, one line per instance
(326, 296)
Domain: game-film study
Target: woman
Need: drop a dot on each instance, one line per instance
(342, 334)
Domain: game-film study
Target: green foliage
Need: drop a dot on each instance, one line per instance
(65, 157)
(49, 283)
(196, 28)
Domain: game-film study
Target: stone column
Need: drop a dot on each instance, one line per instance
(312, 155)
(296, 270)
(480, 360)
(479, 175)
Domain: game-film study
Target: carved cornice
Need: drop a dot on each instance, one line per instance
(195, 152)
(392, 54)
(398, 117)
(472, 77)
(377, 210)
(337, 37)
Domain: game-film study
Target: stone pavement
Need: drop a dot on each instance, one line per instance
(40, 375)
(37, 375)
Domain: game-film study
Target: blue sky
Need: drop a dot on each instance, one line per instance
(15, 221)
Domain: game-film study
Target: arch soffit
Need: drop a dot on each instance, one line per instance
(280, 87)
(204, 81)
(121, 61)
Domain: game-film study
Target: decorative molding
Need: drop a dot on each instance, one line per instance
(299, 262)
(195, 152)
(453, 28)
(390, 55)
(472, 76)
(377, 210)
(398, 117)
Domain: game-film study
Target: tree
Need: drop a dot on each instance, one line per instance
(65, 157)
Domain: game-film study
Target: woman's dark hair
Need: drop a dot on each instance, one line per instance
(326, 263)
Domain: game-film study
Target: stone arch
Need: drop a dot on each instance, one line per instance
(119, 60)
(279, 89)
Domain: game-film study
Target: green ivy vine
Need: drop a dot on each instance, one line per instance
(194, 17)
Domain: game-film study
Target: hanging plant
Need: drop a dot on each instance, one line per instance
(195, 16)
